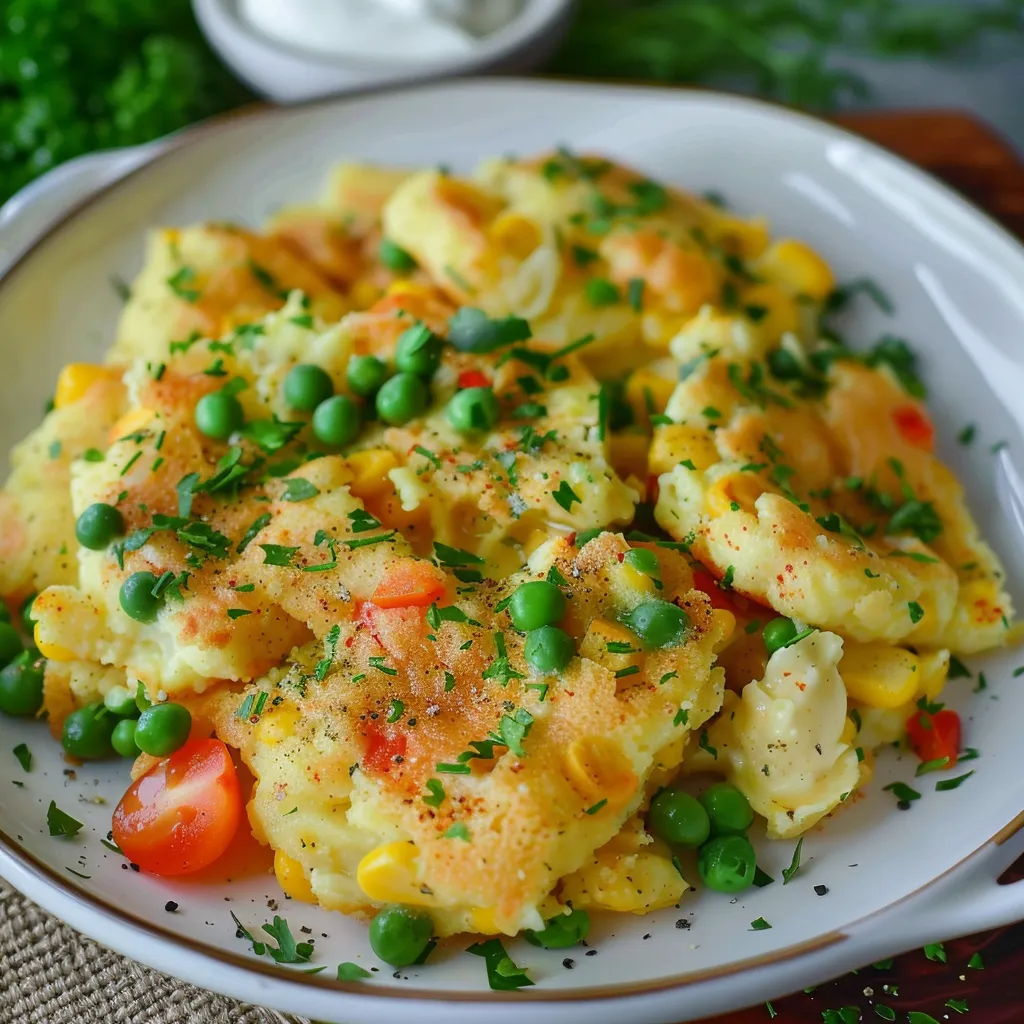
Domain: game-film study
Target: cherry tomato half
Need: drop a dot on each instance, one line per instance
(183, 813)
(934, 736)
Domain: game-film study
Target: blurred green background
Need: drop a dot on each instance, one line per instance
(80, 75)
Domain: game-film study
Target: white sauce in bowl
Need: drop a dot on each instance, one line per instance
(380, 29)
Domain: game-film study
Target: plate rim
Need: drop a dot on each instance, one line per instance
(13, 853)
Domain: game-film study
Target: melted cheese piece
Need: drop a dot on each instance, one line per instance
(781, 740)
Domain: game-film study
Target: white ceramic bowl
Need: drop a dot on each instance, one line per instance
(895, 879)
(289, 75)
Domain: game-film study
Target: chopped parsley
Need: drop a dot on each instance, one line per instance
(278, 554)
(705, 745)
(179, 283)
(935, 951)
(966, 436)
(915, 611)
(250, 534)
(759, 925)
(472, 330)
(565, 496)
(435, 793)
(323, 666)
(596, 807)
(788, 874)
(943, 785)
(635, 294)
(456, 831)
(24, 756)
(60, 823)
(299, 489)
(502, 973)
(237, 613)
(349, 971)
(902, 792)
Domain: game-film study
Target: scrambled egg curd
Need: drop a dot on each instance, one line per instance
(484, 518)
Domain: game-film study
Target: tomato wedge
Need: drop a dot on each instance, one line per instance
(914, 426)
(409, 583)
(935, 735)
(474, 379)
(183, 813)
(382, 749)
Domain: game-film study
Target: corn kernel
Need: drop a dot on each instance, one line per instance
(675, 443)
(129, 423)
(628, 454)
(781, 313)
(741, 489)
(370, 470)
(516, 235)
(482, 919)
(648, 392)
(746, 238)
(849, 733)
(879, 675)
(292, 878)
(798, 267)
(629, 582)
(54, 652)
(278, 726)
(933, 671)
(364, 293)
(598, 769)
(410, 288)
(76, 379)
(389, 874)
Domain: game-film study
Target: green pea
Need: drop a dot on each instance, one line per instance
(418, 351)
(98, 525)
(21, 685)
(645, 561)
(87, 732)
(679, 819)
(535, 604)
(120, 701)
(336, 422)
(658, 623)
(26, 614)
(402, 398)
(306, 386)
(365, 374)
(549, 649)
(137, 599)
(474, 410)
(394, 257)
(777, 633)
(728, 809)
(163, 728)
(727, 863)
(784, 365)
(219, 415)
(10, 643)
(399, 934)
(122, 739)
(561, 931)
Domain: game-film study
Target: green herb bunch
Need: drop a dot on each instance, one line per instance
(82, 75)
(779, 48)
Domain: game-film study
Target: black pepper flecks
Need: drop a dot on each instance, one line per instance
(170, 906)
(683, 923)
(591, 952)
(135, 867)
(821, 890)
(647, 936)
(568, 963)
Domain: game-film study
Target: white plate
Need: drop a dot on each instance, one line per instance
(958, 284)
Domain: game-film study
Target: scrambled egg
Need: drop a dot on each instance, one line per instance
(664, 383)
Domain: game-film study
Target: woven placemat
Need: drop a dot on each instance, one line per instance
(49, 974)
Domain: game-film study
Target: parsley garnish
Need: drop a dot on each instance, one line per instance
(299, 489)
(323, 666)
(273, 434)
(500, 670)
(436, 792)
(902, 792)
(915, 611)
(596, 807)
(502, 973)
(278, 554)
(254, 529)
(24, 756)
(794, 866)
(943, 785)
(349, 971)
(759, 925)
(565, 496)
(178, 283)
(456, 831)
(472, 330)
(704, 745)
(61, 824)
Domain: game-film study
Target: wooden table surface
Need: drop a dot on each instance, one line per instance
(973, 159)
